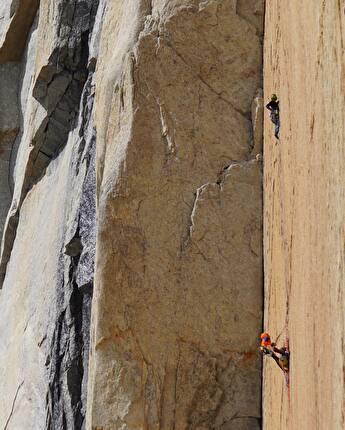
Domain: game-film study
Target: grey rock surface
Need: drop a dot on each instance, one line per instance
(53, 205)
(9, 128)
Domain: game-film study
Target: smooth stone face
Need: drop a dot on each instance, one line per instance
(304, 213)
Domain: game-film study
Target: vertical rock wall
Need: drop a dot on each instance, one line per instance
(178, 287)
(48, 247)
(304, 212)
(161, 102)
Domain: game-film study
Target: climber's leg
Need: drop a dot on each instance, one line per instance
(277, 128)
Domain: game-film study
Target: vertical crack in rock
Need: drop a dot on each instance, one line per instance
(58, 88)
(65, 408)
(199, 192)
(190, 226)
(13, 405)
(170, 144)
(257, 123)
(68, 351)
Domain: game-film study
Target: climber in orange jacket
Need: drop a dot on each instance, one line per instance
(269, 348)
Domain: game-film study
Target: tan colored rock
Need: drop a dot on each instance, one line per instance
(304, 213)
(178, 295)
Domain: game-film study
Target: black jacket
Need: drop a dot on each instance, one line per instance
(273, 106)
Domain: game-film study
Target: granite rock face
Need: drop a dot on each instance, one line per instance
(147, 116)
(46, 293)
(304, 213)
(178, 295)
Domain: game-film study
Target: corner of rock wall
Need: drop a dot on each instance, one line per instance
(178, 283)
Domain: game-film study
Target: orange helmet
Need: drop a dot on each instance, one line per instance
(265, 339)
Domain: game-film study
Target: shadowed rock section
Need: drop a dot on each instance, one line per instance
(67, 359)
(58, 89)
(9, 128)
(48, 361)
(19, 15)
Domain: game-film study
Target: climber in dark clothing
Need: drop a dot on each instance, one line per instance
(273, 107)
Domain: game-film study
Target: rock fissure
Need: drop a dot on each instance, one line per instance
(70, 340)
(13, 405)
(209, 86)
(67, 363)
(219, 184)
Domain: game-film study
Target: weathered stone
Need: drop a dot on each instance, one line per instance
(257, 121)
(17, 17)
(304, 213)
(178, 290)
(44, 371)
(161, 101)
(9, 128)
(74, 247)
(60, 86)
